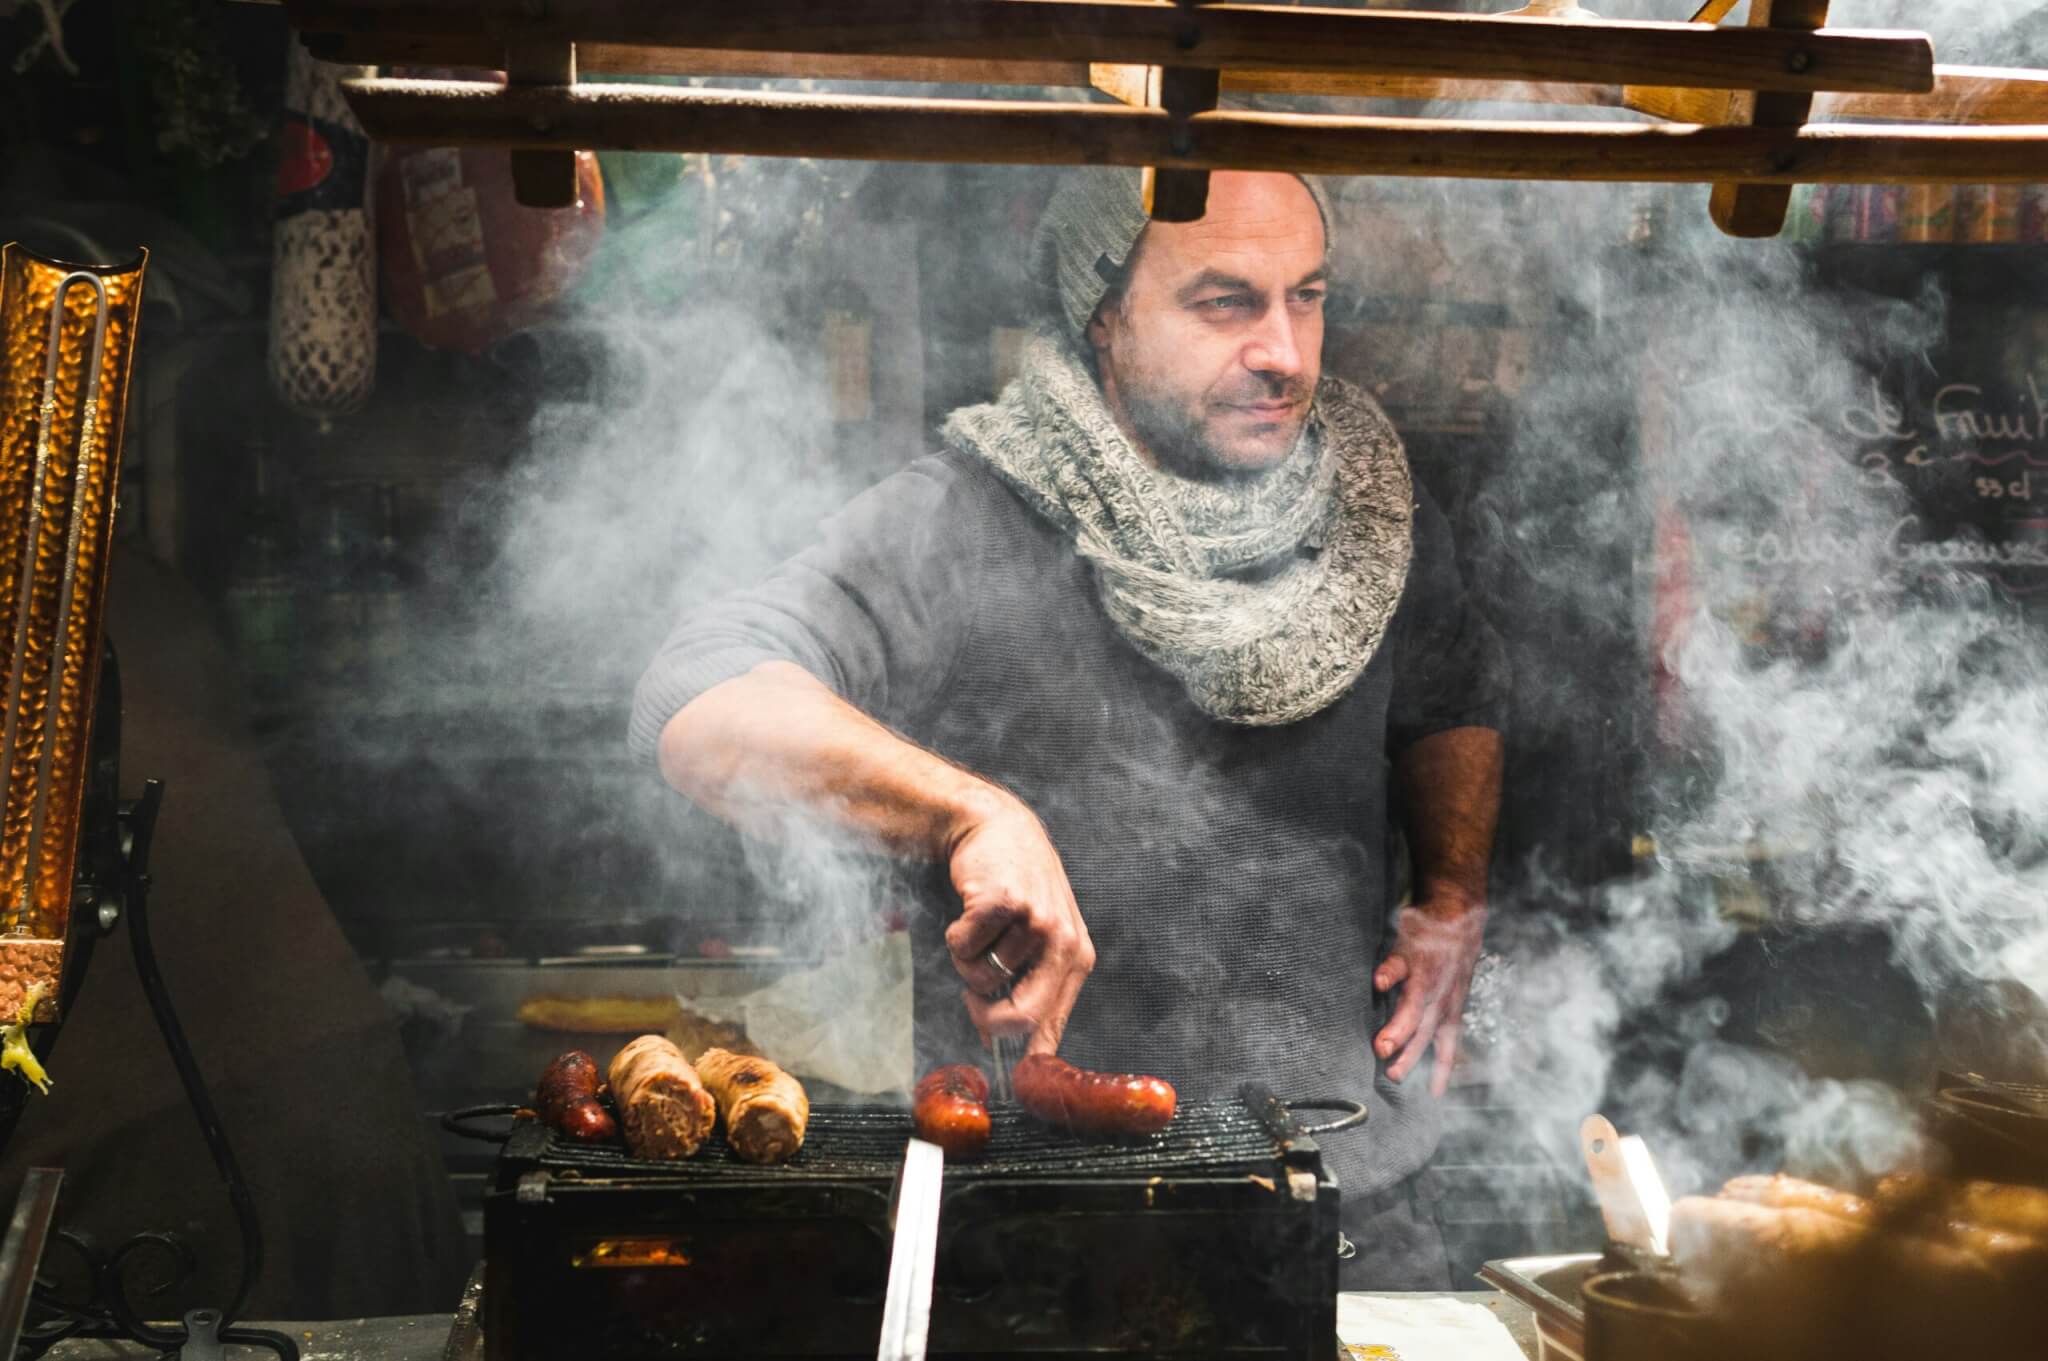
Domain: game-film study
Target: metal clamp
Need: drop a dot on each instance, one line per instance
(202, 1337)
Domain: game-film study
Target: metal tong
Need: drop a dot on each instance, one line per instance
(81, 468)
(913, 1258)
(1005, 1050)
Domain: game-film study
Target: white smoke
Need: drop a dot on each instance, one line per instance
(1883, 770)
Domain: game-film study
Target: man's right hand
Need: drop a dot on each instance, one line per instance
(1016, 901)
(752, 748)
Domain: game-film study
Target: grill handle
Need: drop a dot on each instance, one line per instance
(1297, 1141)
(461, 1123)
(1352, 1118)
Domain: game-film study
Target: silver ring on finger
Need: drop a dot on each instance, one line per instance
(1009, 975)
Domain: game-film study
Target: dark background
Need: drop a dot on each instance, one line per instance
(481, 815)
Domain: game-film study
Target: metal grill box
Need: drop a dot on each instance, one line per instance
(1217, 1237)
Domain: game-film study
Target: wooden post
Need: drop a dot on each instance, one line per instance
(542, 179)
(1759, 209)
(1184, 91)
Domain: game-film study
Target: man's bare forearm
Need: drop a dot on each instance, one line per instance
(776, 741)
(1450, 782)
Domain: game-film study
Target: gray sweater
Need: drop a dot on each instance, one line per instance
(1234, 879)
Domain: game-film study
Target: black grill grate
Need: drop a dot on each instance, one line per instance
(867, 1142)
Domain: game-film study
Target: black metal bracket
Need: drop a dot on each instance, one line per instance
(111, 1310)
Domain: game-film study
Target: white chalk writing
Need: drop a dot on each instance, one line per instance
(1902, 545)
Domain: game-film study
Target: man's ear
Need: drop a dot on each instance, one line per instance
(1099, 328)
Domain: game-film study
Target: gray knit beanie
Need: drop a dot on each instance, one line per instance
(1086, 236)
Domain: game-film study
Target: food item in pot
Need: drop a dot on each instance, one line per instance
(1794, 1193)
(765, 1109)
(598, 1015)
(1796, 1270)
(1989, 1204)
(1710, 1230)
(662, 1101)
(950, 1109)
(1091, 1103)
(567, 1099)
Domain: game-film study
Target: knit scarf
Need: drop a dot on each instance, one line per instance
(1265, 596)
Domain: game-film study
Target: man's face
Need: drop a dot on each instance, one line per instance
(1211, 356)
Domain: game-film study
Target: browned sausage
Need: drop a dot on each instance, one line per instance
(667, 1110)
(1091, 1103)
(950, 1107)
(567, 1099)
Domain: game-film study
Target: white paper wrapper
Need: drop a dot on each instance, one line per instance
(846, 1022)
(1422, 1328)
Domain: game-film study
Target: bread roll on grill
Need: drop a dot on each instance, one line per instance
(764, 1108)
(662, 1101)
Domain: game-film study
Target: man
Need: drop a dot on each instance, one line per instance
(1128, 660)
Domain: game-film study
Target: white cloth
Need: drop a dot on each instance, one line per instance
(846, 1022)
(1422, 1328)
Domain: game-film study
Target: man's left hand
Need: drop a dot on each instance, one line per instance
(1436, 943)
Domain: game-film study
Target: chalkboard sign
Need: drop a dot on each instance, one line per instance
(1969, 454)
(1925, 479)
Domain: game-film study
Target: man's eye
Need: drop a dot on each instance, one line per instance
(1311, 296)
(1222, 304)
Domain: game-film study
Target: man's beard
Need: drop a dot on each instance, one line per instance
(1177, 437)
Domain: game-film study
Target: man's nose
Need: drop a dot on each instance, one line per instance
(1275, 346)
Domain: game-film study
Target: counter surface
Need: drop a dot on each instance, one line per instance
(424, 1337)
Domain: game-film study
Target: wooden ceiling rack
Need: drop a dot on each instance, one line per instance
(1751, 108)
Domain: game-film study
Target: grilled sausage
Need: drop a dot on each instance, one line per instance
(950, 1108)
(765, 1109)
(1091, 1103)
(663, 1103)
(567, 1100)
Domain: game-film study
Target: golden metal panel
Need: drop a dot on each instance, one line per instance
(26, 965)
(69, 341)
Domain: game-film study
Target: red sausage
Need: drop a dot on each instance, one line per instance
(567, 1099)
(950, 1108)
(1091, 1103)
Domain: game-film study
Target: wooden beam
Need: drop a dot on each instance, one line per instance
(1223, 36)
(631, 59)
(1961, 94)
(666, 118)
(1755, 210)
(1137, 86)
